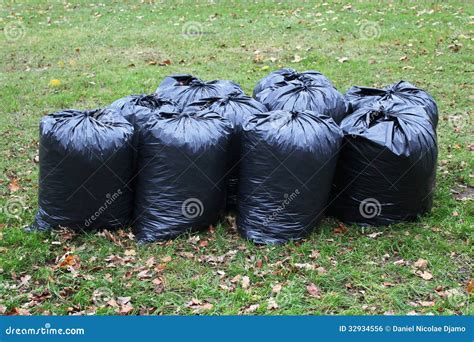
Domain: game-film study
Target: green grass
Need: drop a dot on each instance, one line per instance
(102, 52)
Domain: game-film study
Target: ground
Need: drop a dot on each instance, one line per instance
(85, 55)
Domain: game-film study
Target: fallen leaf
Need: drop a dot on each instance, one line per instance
(277, 288)
(123, 300)
(425, 275)
(426, 303)
(314, 254)
(321, 270)
(297, 59)
(259, 263)
(13, 186)
(166, 259)
(252, 308)
(421, 264)
(304, 266)
(272, 304)
(342, 59)
(313, 291)
(470, 286)
(125, 309)
(374, 235)
(17, 312)
(245, 282)
(165, 62)
(203, 243)
(130, 252)
(69, 260)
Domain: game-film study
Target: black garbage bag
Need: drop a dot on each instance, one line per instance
(387, 166)
(286, 75)
(186, 89)
(402, 91)
(182, 165)
(86, 164)
(138, 108)
(299, 96)
(286, 174)
(237, 108)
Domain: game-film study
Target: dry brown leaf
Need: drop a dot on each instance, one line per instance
(252, 308)
(166, 259)
(272, 304)
(245, 282)
(421, 264)
(125, 309)
(277, 288)
(69, 260)
(313, 291)
(470, 286)
(296, 59)
(130, 252)
(14, 186)
(321, 270)
(165, 62)
(425, 275)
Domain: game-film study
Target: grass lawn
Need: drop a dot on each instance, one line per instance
(60, 55)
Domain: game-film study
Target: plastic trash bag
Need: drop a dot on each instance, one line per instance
(286, 174)
(86, 164)
(237, 108)
(138, 108)
(186, 89)
(387, 166)
(402, 91)
(301, 96)
(181, 180)
(286, 75)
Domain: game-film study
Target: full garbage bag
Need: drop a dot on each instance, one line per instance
(237, 108)
(86, 165)
(138, 108)
(286, 174)
(402, 91)
(186, 89)
(181, 180)
(301, 96)
(387, 166)
(286, 75)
